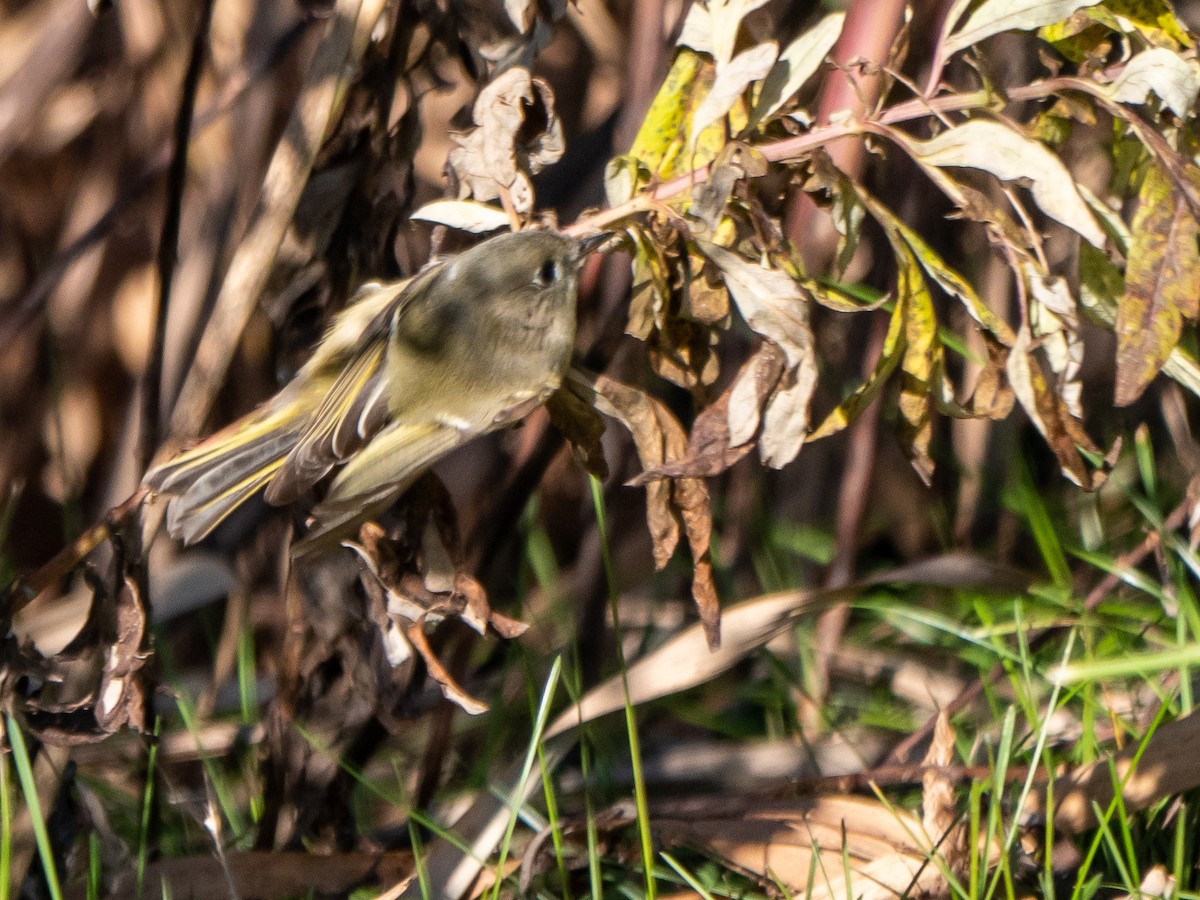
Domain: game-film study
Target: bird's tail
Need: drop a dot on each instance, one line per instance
(222, 472)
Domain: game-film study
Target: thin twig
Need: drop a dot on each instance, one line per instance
(168, 243)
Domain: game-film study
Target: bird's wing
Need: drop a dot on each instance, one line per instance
(355, 407)
(375, 476)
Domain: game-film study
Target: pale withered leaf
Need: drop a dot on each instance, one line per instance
(725, 20)
(465, 215)
(774, 305)
(796, 64)
(496, 155)
(731, 82)
(995, 16)
(1011, 156)
(1160, 72)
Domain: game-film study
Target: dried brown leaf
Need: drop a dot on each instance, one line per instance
(583, 428)
(498, 155)
(723, 433)
(451, 689)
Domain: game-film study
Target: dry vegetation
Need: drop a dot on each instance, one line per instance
(833, 381)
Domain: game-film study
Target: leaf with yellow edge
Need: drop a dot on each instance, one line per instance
(921, 363)
(1162, 284)
(662, 141)
(850, 408)
(1154, 20)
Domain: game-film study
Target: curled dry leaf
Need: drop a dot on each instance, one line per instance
(517, 133)
(723, 433)
(775, 305)
(1048, 412)
(1160, 72)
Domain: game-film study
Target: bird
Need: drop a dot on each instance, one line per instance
(406, 373)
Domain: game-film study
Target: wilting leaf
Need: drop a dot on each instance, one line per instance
(1049, 415)
(583, 428)
(952, 282)
(1011, 156)
(1158, 71)
(1054, 324)
(1162, 284)
(731, 82)
(796, 64)
(496, 155)
(659, 438)
(1100, 286)
(643, 417)
(774, 305)
(850, 408)
(921, 365)
(995, 16)
(465, 215)
(662, 139)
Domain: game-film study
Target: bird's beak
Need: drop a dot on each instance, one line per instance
(604, 241)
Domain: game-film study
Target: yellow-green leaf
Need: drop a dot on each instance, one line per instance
(661, 142)
(1162, 284)
(921, 365)
(850, 408)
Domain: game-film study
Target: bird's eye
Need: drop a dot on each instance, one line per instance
(548, 273)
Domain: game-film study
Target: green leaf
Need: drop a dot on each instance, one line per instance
(1162, 284)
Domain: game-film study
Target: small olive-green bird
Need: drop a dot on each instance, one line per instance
(404, 375)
